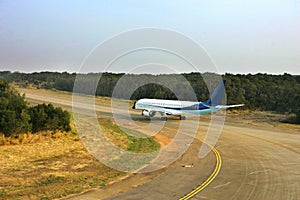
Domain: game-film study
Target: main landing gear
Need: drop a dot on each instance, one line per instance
(164, 118)
(182, 117)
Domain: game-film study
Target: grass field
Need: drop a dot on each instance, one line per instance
(46, 167)
(126, 141)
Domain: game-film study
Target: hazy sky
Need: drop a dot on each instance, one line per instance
(240, 36)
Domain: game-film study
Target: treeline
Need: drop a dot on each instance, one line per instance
(16, 116)
(279, 93)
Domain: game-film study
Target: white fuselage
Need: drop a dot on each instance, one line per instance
(172, 107)
(173, 104)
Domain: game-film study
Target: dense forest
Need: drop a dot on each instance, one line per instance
(278, 93)
(17, 116)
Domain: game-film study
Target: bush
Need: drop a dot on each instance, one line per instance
(17, 117)
(14, 117)
(46, 117)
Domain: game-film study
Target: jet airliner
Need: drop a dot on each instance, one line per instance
(151, 107)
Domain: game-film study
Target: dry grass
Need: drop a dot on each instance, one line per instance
(260, 118)
(29, 138)
(49, 165)
(50, 169)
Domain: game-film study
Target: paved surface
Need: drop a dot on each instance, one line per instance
(258, 163)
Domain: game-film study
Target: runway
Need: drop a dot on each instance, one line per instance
(258, 162)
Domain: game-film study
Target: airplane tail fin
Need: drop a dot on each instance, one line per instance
(217, 96)
(216, 99)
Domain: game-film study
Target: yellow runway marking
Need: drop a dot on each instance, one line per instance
(210, 178)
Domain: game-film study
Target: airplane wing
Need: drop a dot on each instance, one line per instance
(229, 106)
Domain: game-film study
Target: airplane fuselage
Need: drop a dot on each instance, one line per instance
(173, 107)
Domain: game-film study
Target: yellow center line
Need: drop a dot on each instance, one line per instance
(210, 178)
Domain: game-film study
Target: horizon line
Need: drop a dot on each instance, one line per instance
(146, 73)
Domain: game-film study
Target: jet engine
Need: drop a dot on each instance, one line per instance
(148, 113)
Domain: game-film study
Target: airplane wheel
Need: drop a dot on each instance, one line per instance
(182, 118)
(163, 118)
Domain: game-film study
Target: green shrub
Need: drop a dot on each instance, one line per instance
(14, 117)
(17, 117)
(47, 117)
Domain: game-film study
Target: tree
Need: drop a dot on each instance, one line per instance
(14, 117)
(259, 91)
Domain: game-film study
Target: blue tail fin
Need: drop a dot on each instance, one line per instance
(217, 96)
